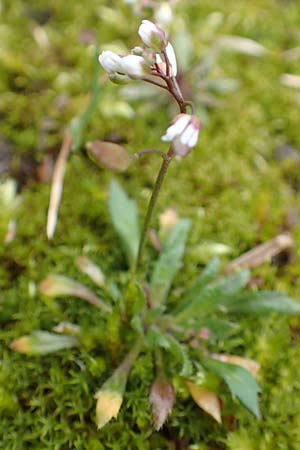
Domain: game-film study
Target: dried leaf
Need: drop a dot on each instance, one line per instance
(242, 45)
(168, 219)
(290, 80)
(87, 266)
(42, 342)
(110, 396)
(206, 400)
(109, 155)
(58, 286)
(108, 405)
(248, 364)
(162, 400)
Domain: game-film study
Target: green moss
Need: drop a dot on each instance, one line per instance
(231, 187)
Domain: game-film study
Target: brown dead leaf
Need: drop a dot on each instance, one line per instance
(206, 400)
(162, 399)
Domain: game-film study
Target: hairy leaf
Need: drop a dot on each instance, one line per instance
(264, 302)
(169, 262)
(207, 275)
(124, 216)
(240, 382)
(42, 342)
(215, 296)
(181, 356)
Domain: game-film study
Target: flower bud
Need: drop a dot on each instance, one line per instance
(111, 62)
(153, 35)
(135, 66)
(183, 133)
(171, 59)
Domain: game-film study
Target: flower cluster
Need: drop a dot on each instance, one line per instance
(154, 60)
(156, 63)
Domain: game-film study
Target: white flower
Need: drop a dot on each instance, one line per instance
(135, 66)
(111, 62)
(153, 35)
(172, 59)
(183, 133)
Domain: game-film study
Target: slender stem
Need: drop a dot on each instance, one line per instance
(191, 105)
(153, 200)
(174, 90)
(149, 151)
(149, 80)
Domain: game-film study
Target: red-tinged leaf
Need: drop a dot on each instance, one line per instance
(109, 155)
(248, 364)
(206, 400)
(162, 399)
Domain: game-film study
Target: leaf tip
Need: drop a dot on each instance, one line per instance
(108, 405)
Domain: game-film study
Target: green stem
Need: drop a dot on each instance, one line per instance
(174, 90)
(158, 184)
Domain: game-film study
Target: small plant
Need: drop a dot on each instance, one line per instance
(180, 331)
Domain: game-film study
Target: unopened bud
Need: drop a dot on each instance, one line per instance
(153, 35)
(135, 66)
(111, 62)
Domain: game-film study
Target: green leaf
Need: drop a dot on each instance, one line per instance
(180, 353)
(42, 342)
(124, 216)
(215, 296)
(240, 382)
(264, 302)
(218, 328)
(155, 338)
(79, 123)
(208, 274)
(169, 262)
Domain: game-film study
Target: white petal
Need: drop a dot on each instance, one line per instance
(176, 128)
(110, 61)
(158, 59)
(193, 139)
(133, 65)
(187, 134)
(172, 58)
(182, 122)
(152, 35)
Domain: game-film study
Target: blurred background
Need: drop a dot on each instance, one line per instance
(239, 62)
